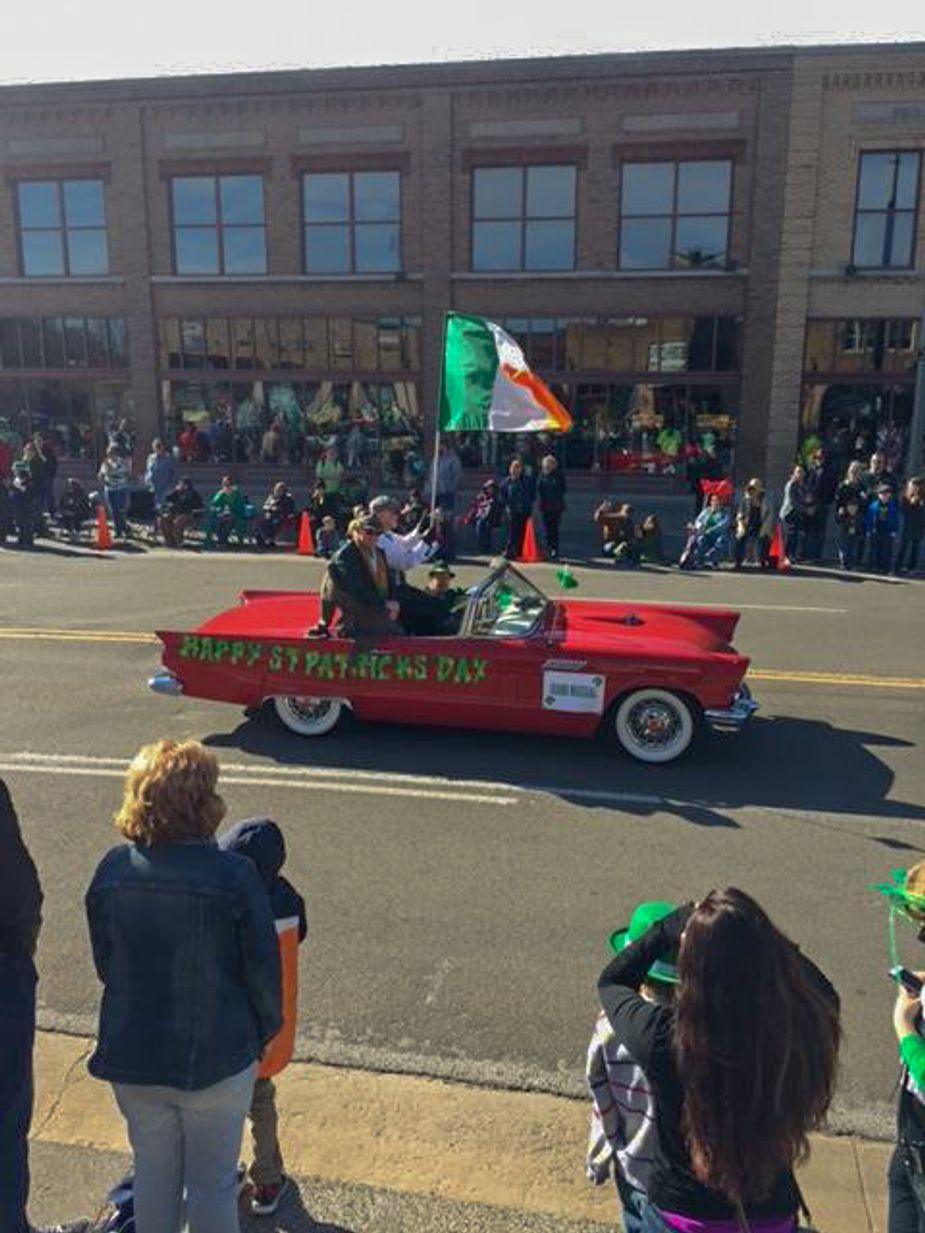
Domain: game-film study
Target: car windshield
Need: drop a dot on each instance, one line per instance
(506, 605)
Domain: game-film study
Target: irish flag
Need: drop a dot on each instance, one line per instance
(487, 385)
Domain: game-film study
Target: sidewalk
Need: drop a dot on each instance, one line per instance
(394, 1153)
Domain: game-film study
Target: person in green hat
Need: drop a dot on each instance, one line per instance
(623, 1127)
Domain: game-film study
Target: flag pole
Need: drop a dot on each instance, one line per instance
(433, 475)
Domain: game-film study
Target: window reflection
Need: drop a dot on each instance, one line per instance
(675, 215)
(352, 222)
(219, 225)
(62, 228)
(523, 218)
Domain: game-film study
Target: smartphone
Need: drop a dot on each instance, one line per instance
(909, 981)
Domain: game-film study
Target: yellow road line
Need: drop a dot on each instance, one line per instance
(838, 679)
(795, 676)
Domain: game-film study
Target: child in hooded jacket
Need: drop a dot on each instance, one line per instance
(261, 841)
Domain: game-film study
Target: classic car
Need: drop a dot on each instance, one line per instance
(650, 676)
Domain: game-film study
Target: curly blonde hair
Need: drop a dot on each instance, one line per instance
(170, 794)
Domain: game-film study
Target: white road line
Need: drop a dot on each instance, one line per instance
(106, 772)
(427, 787)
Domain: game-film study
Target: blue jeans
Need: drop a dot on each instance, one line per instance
(17, 1035)
(652, 1219)
(118, 504)
(634, 1203)
(186, 1140)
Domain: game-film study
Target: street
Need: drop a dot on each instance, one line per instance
(461, 886)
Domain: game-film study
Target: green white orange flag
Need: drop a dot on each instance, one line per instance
(487, 385)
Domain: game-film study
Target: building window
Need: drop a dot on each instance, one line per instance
(887, 200)
(675, 215)
(523, 218)
(59, 343)
(219, 225)
(62, 228)
(352, 222)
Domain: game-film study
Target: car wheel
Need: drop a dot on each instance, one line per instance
(653, 725)
(310, 716)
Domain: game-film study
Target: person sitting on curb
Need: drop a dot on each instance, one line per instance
(618, 532)
(707, 536)
(278, 512)
(228, 513)
(262, 842)
(623, 1131)
(178, 513)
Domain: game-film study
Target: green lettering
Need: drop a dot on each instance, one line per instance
(445, 664)
(382, 667)
(293, 654)
(254, 652)
(311, 660)
(343, 663)
(479, 670)
(362, 666)
(189, 647)
(420, 667)
(403, 668)
(462, 675)
(237, 652)
(276, 659)
(205, 648)
(326, 667)
(222, 648)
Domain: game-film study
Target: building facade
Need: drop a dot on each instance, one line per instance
(701, 251)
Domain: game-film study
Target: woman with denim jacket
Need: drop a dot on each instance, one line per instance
(185, 945)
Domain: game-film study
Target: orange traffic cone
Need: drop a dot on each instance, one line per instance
(530, 549)
(776, 554)
(306, 544)
(103, 533)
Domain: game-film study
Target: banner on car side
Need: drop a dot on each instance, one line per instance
(573, 691)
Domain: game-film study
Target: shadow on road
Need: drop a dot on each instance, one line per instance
(779, 763)
(292, 1217)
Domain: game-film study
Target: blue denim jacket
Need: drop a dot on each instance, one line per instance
(185, 945)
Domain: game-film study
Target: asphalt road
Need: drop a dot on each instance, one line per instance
(461, 886)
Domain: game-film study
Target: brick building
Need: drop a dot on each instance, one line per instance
(697, 249)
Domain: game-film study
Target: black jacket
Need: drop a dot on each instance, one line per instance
(262, 842)
(185, 945)
(20, 892)
(352, 577)
(550, 489)
(646, 1029)
(518, 495)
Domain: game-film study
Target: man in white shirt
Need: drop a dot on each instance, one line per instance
(420, 613)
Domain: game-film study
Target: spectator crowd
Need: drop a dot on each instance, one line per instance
(869, 515)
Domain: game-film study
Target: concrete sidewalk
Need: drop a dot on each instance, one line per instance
(393, 1153)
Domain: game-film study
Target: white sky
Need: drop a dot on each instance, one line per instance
(85, 39)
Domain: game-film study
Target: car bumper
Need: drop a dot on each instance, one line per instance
(165, 683)
(735, 717)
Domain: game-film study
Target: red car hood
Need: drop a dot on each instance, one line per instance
(597, 625)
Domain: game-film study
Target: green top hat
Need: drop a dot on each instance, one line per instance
(645, 916)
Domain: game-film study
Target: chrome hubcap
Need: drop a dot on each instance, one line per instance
(654, 724)
(309, 710)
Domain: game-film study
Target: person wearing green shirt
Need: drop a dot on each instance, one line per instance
(906, 1175)
(228, 512)
(330, 472)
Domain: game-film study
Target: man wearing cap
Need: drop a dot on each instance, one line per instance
(359, 582)
(451, 600)
(623, 1128)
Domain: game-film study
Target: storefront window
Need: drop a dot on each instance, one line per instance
(852, 419)
(74, 416)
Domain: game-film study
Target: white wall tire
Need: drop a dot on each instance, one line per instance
(653, 725)
(309, 716)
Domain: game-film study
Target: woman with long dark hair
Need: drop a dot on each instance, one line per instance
(742, 1067)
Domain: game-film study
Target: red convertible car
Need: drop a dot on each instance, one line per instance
(648, 675)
